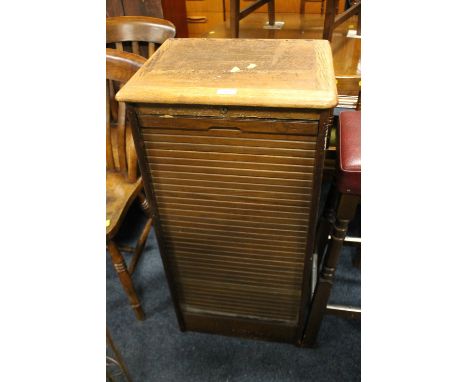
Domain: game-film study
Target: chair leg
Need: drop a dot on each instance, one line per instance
(140, 246)
(234, 18)
(125, 279)
(302, 9)
(271, 12)
(345, 212)
(144, 204)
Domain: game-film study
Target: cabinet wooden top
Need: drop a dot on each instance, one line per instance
(240, 72)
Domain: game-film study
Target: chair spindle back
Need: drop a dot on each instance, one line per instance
(120, 148)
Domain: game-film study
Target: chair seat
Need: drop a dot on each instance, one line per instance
(119, 196)
(349, 153)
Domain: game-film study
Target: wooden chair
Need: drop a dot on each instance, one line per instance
(237, 14)
(123, 183)
(303, 2)
(139, 34)
(331, 22)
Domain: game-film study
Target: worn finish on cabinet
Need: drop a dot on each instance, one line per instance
(232, 161)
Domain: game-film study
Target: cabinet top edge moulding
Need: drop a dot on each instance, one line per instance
(237, 72)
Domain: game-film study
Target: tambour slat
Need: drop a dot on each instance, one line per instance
(252, 205)
(293, 168)
(232, 260)
(269, 194)
(223, 229)
(228, 238)
(243, 270)
(197, 250)
(159, 154)
(236, 198)
(244, 239)
(241, 289)
(248, 298)
(252, 222)
(231, 178)
(175, 130)
(242, 141)
(231, 171)
(287, 308)
(231, 248)
(236, 234)
(260, 312)
(254, 293)
(234, 149)
(233, 210)
(240, 278)
(261, 220)
(251, 304)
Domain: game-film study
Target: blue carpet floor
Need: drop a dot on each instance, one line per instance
(155, 349)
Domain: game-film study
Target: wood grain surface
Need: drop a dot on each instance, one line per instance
(241, 72)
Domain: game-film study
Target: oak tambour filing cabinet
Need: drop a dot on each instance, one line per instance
(230, 137)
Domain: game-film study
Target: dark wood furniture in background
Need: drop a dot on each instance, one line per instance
(176, 12)
(152, 8)
(347, 195)
(204, 16)
(122, 181)
(331, 22)
(236, 14)
(230, 136)
(303, 3)
(172, 10)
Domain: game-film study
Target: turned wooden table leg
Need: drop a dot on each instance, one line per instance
(234, 18)
(271, 12)
(125, 279)
(346, 210)
(330, 12)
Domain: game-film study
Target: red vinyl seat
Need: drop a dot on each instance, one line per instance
(349, 153)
